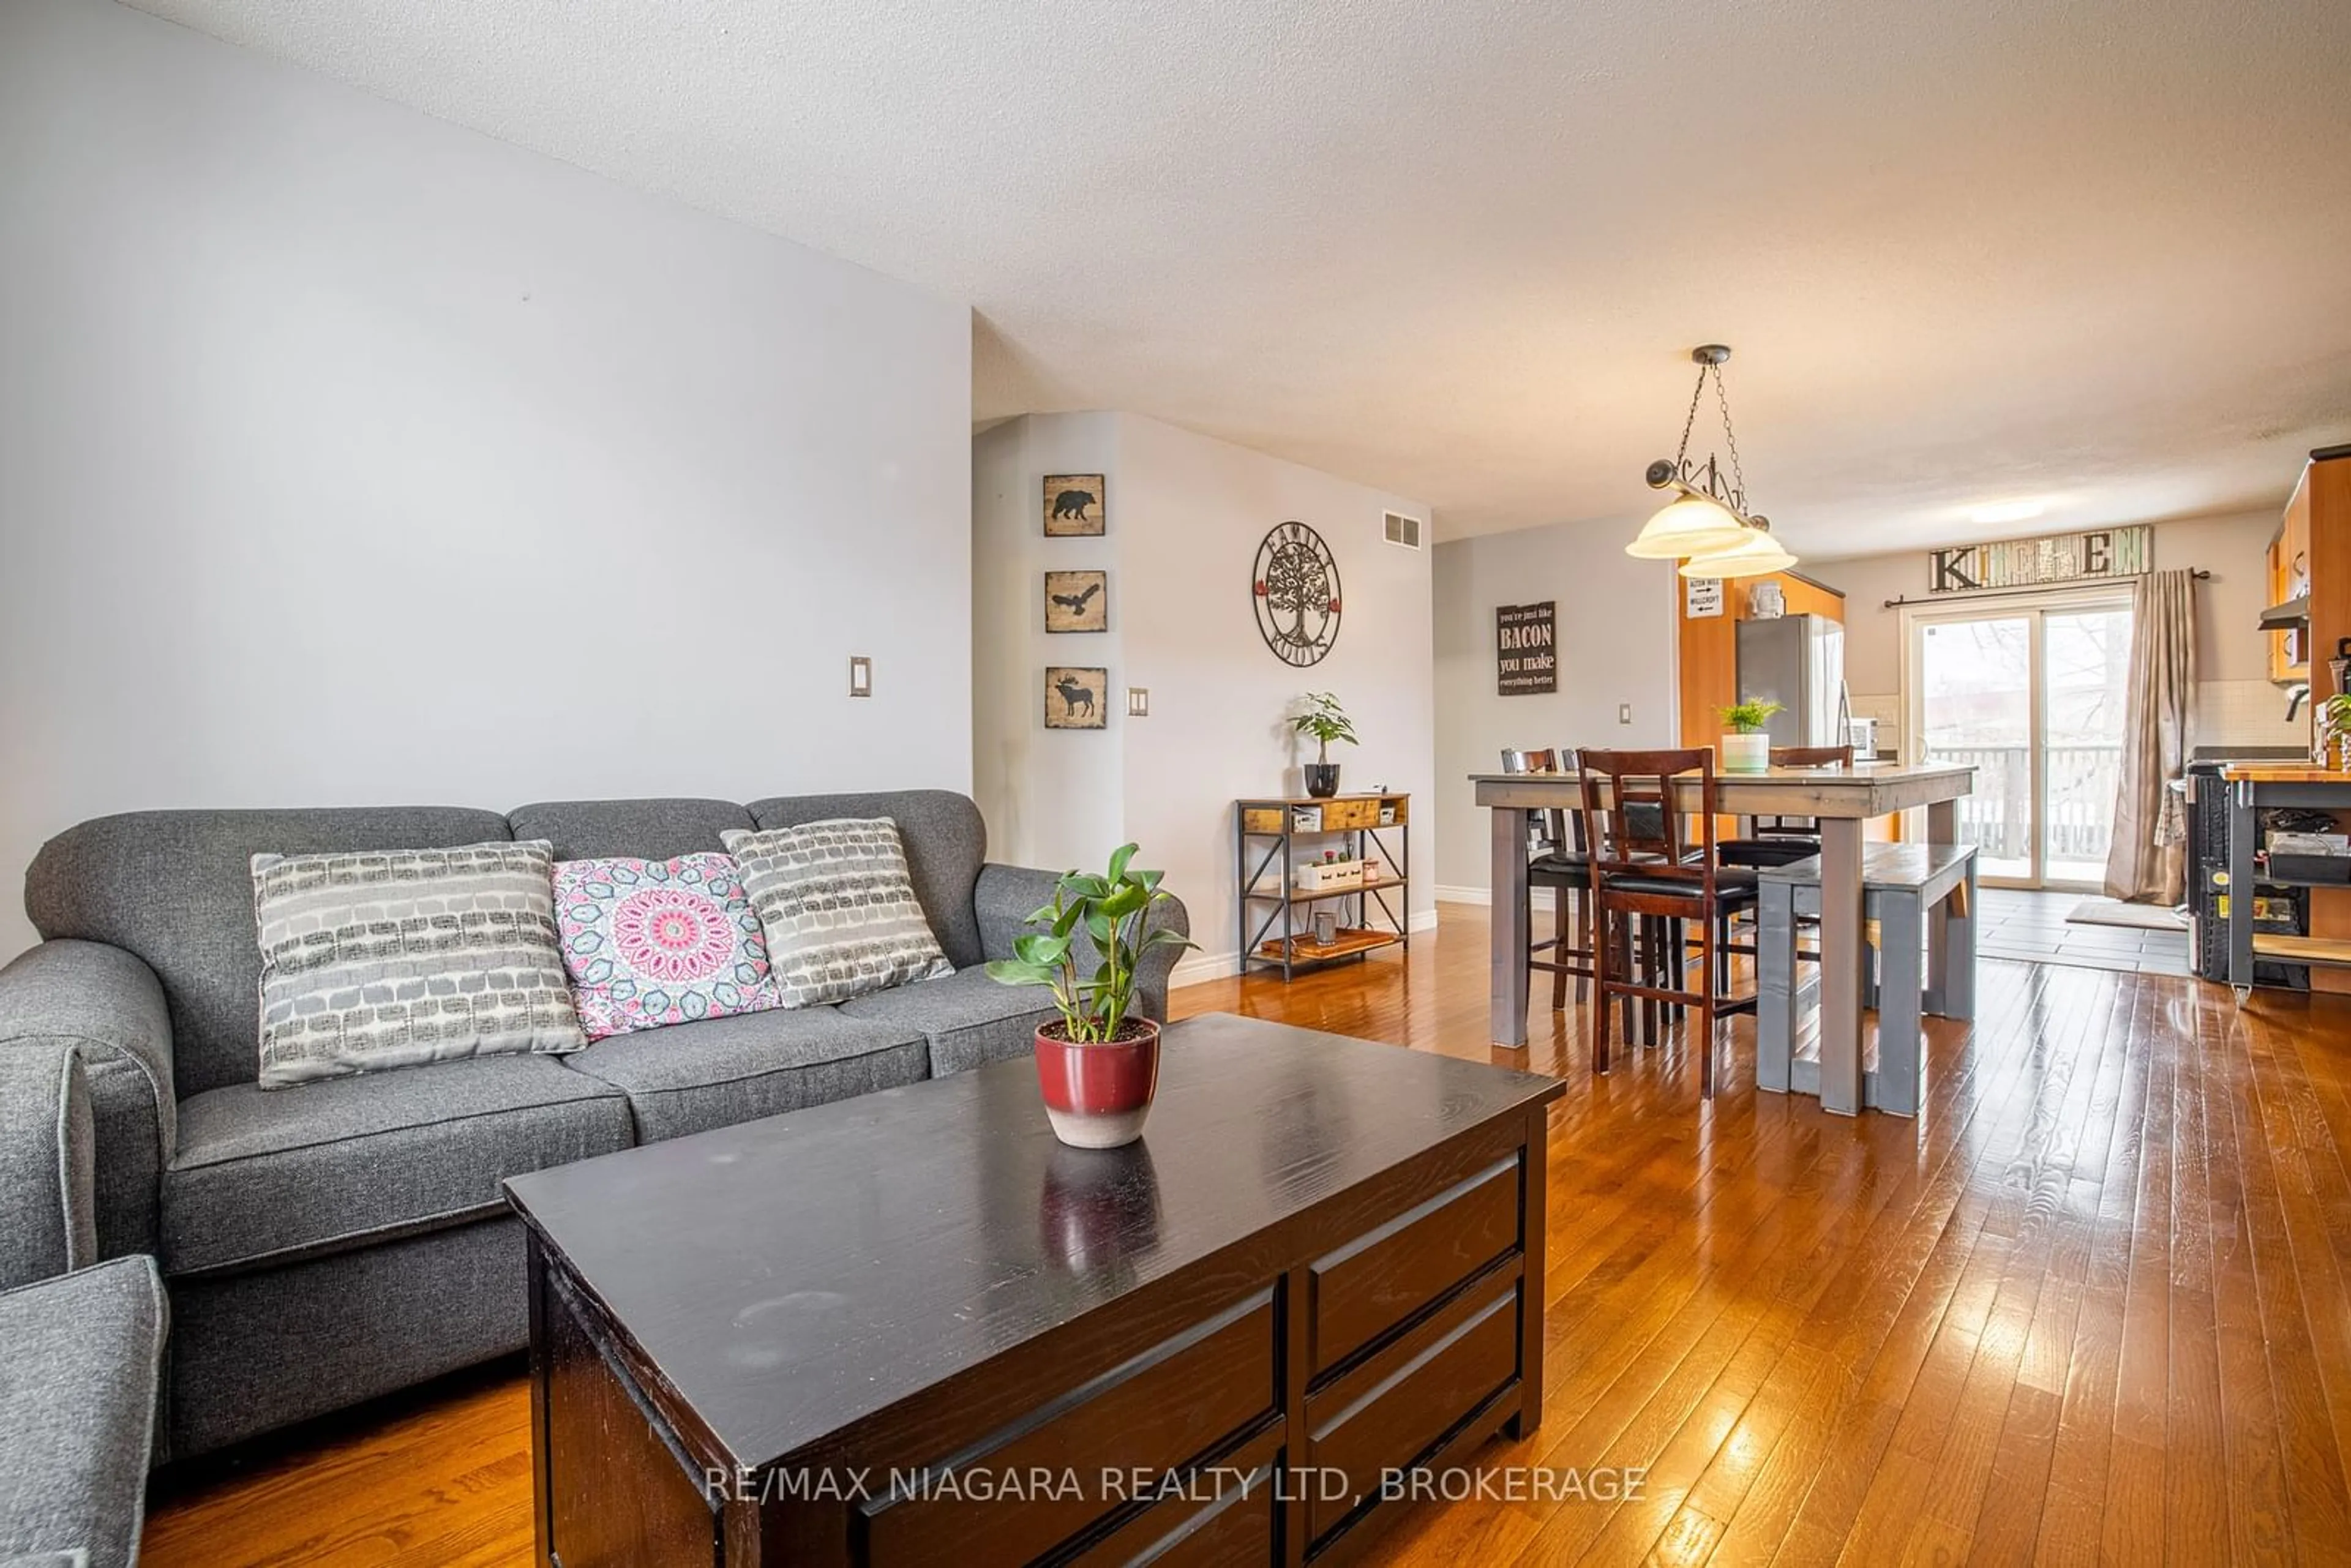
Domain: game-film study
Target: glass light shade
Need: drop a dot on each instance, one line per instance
(1690, 525)
(1756, 554)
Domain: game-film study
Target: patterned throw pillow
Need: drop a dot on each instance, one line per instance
(657, 942)
(838, 907)
(381, 958)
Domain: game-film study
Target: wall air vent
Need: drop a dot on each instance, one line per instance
(1403, 530)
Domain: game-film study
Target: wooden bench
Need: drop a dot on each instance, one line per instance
(1922, 896)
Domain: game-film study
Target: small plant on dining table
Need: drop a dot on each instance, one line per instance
(1112, 908)
(1746, 748)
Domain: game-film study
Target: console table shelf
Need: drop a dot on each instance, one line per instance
(1276, 919)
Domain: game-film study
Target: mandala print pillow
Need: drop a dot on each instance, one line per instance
(650, 943)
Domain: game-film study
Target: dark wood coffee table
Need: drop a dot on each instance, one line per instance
(912, 1328)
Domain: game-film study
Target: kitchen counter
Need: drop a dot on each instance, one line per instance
(2284, 773)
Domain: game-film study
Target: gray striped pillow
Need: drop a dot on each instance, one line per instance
(381, 958)
(839, 908)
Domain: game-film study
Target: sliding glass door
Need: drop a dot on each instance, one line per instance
(2031, 694)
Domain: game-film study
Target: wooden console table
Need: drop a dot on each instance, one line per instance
(1269, 835)
(912, 1328)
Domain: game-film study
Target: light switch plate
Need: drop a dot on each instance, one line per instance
(861, 675)
(1623, 713)
(1138, 702)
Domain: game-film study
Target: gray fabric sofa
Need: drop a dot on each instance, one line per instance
(81, 1346)
(328, 1242)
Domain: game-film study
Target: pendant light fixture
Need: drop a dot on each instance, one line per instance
(1706, 525)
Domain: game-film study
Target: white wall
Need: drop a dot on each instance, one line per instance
(2236, 706)
(350, 457)
(1052, 798)
(1615, 620)
(1185, 517)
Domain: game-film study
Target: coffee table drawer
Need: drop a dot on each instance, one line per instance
(1387, 1412)
(1227, 1517)
(1383, 1277)
(1160, 1409)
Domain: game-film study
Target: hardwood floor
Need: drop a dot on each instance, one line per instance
(2093, 1304)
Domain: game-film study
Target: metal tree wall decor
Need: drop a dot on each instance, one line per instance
(1295, 585)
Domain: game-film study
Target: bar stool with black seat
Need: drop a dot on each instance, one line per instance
(1555, 860)
(1783, 841)
(1644, 871)
(1562, 863)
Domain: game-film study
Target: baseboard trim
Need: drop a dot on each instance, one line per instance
(1537, 898)
(1200, 966)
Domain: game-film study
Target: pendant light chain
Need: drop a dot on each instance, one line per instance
(1689, 420)
(1730, 437)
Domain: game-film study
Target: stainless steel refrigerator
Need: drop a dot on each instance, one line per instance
(1798, 661)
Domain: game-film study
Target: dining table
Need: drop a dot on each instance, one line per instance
(1840, 799)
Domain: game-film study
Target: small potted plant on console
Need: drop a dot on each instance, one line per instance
(1097, 1065)
(1326, 721)
(1746, 748)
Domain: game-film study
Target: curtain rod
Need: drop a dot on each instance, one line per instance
(2199, 573)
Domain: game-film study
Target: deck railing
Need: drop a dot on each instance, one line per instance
(1998, 818)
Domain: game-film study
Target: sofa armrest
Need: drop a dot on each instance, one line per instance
(47, 1225)
(1007, 895)
(107, 1006)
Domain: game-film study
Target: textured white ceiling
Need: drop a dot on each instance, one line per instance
(2092, 251)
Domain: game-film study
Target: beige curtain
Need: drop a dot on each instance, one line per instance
(2144, 865)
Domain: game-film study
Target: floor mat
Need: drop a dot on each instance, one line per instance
(2137, 917)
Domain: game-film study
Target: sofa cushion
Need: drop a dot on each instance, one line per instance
(373, 959)
(695, 1076)
(78, 1411)
(176, 889)
(643, 830)
(965, 1018)
(838, 907)
(650, 943)
(264, 1177)
(945, 838)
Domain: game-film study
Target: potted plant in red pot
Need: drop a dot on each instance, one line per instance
(1097, 1065)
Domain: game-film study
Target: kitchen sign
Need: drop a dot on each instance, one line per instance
(2036, 563)
(1526, 649)
(1701, 598)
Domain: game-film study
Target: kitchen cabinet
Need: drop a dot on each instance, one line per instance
(2289, 578)
(2317, 530)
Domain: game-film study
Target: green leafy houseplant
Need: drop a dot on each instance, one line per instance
(1112, 908)
(1326, 721)
(1750, 717)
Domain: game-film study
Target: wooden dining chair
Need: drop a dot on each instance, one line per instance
(1646, 873)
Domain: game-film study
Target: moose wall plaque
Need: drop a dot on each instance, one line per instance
(1075, 698)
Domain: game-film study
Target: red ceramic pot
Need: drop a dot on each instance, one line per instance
(1096, 1097)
